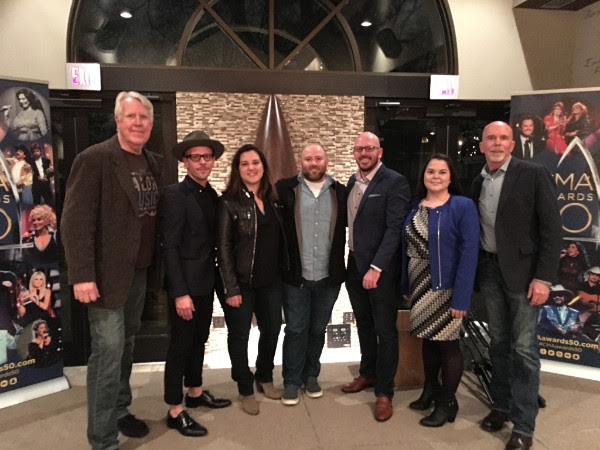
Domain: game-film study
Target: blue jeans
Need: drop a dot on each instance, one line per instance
(513, 348)
(307, 312)
(109, 365)
(265, 303)
(375, 312)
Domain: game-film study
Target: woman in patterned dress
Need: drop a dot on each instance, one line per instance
(440, 247)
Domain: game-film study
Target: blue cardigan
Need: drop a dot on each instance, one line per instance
(453, 248)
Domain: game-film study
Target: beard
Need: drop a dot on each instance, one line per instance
(371, 163)
(315, 176)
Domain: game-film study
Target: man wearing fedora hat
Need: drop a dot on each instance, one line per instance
(556, 318)
(187, 226)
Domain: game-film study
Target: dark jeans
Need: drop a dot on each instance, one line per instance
(375, 311)
(513, 348)
(185, 356)
(307, 312)
(109, 365)
(265, 303)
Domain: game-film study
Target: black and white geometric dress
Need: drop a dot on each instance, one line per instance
(430, 316)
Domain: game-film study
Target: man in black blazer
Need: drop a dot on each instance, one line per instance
(187, 213)
(42, 172)
(520, 245)
(527, 144)
(378, 200)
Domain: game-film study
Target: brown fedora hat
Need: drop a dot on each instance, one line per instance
(197, 139)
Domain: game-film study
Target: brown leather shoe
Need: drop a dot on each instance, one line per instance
(357, 385)
(383, 408)
(518, 442)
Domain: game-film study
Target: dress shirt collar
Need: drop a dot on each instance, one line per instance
(368, 177)
(485, 172)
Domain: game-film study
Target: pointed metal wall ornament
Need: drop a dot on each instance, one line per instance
(273, 139)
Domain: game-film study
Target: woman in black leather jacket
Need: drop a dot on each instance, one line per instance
(248, 248)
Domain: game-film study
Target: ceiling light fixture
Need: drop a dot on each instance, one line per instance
(126, 14)
(366, 23)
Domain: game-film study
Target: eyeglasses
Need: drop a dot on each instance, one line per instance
(197, 157)
(367, 148)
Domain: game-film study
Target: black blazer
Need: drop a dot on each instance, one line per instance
(36, 172)
(528, 224)
(377, 228)
(517, 152)
(188, 240)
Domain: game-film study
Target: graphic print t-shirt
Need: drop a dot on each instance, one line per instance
(147, 189)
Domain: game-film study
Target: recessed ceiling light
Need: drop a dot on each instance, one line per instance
(366, 23)
(126, 14)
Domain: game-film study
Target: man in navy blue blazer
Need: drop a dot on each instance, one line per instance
(378, 200)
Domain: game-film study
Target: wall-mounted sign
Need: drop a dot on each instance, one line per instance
(83, 76)
(443, 87)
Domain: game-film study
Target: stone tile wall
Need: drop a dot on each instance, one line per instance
(334, 121)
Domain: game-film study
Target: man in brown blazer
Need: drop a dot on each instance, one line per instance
(108, 231)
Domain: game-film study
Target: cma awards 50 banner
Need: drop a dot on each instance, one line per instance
(30, 304)
(561, 131)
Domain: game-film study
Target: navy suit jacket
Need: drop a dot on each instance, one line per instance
(528, 226)
(377, 228)
(188, 238)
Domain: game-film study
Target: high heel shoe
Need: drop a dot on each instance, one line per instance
(431, 392)
(445, 411)
(269, 390)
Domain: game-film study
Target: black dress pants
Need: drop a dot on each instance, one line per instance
(185, 356)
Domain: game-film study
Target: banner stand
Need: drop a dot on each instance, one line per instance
(33, 391)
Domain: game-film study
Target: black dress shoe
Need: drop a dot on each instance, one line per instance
(517, 442)
(185, 424)
(494, 421)
(206, 399)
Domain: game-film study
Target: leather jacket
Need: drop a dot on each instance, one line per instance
(236, 241)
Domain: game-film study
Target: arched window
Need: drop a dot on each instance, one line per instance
(410, 36)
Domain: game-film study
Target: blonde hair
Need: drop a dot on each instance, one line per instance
(46, 213)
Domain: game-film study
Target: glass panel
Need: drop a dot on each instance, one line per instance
(328, 50)
(150, 36)
(406, 144)
(469, 159)
(404, 36)
(210, 46)
(297, 18)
